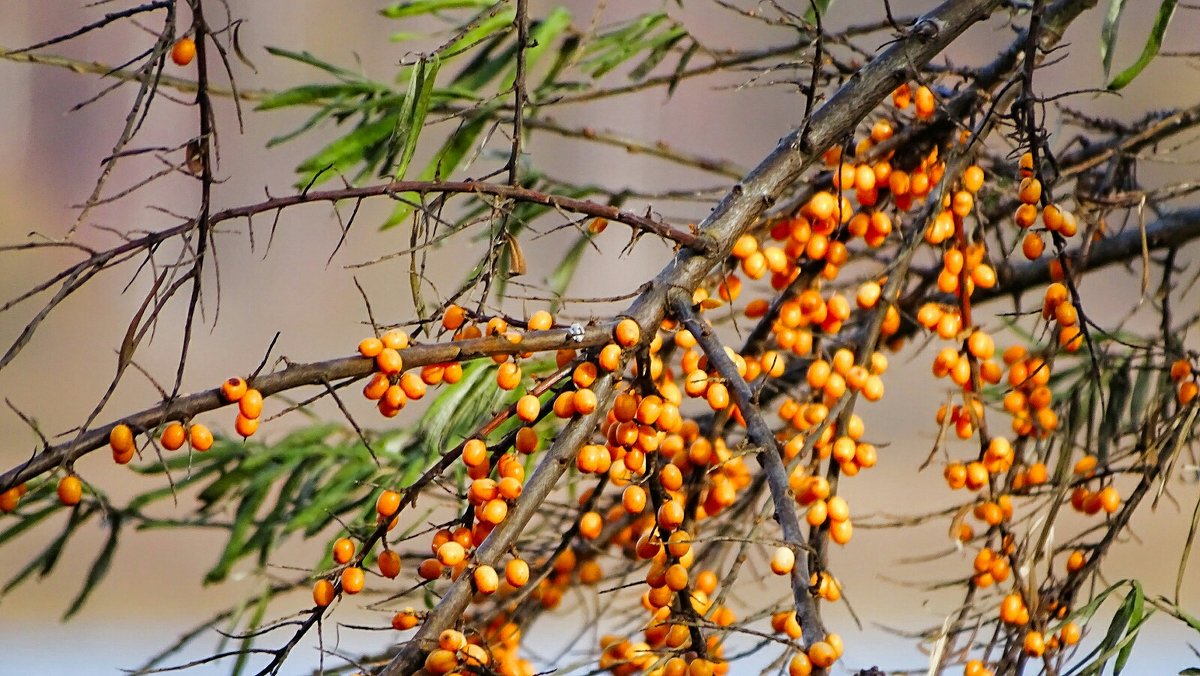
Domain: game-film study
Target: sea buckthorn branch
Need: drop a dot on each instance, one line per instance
(538, 488)
(769, 457)
(301, 375)
(516, 193)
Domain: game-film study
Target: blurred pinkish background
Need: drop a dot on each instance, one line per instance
(52, 157)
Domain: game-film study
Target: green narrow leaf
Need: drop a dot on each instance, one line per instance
(346, 151)
(541, 36)
(1119, 392)
(422, 90)
(99, 568)
(821, 6)
(681, 67)
(503, 19)
(242, 523)
(659, 47)
(307, 95)
(405, 9)
(561, 277)
(1108, 34)
(44, 562)
(1135, 620)
(1153, 43)
(311, 60)
(443, 164)
(260, 611)
(28, 521)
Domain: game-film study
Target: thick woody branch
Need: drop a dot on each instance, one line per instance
(768, 457)
(301, 375)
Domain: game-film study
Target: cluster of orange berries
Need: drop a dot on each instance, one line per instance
(1030, 401)
(388, 386)
(456, 654)
(1183, 374)
(1087, 501)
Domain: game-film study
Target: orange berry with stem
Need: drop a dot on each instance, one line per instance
(508, 376)
(245, 426)
(1035, 644)
(973, 178)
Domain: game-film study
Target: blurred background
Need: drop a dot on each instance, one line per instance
(52, 157)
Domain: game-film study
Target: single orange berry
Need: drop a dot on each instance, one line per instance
(343, 550)
(70, 490)
(528, 408)
(627, 333)
(517, 573)
(120, 438)
(233, 389)
(541, 321)
(353, 580)
(173, 437)
(387, 504)
(405, 619)
(486, 579)
(389, 563)
(183, 51)
(323, 592)
(783, 560)
(201, 439)
(251, 403)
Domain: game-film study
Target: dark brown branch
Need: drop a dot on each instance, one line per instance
(769, 457)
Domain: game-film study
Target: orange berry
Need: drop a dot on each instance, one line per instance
(451, 554)
(1030, 190)
(251, 403)
(1034, 645)
(343, 550)
(487, 581)
(973, 178)
(323, 592)
(120, 438)
(527, 440)
(353, 580)
(528, 408)
(245, 426)
(783, 560)
(494, 511)
(541, 321)
(387, 504)
(233, 389)
(610, 357)
(1070, 633)
(627, 333)
(368, 347)
(70, 490)
(926, 105)
(200, 438)
(173, 437)
(389, 563)
(508, 376)
(821, 653)
(389, 361)
(183, 51)
(633, 499)
(516, 572)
